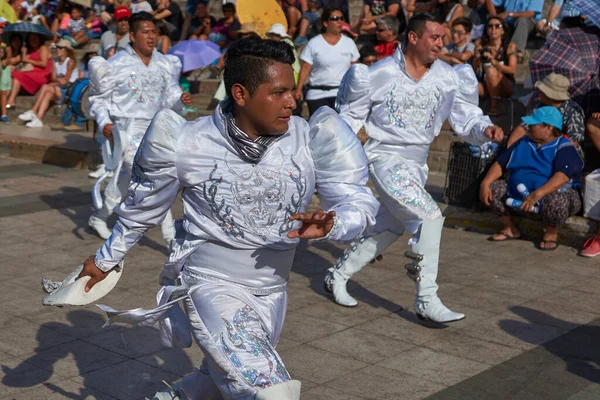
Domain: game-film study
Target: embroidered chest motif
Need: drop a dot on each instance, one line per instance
(259, 198)
(416, 108)
(146, 86)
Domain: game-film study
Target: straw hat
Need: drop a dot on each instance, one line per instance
(64, 43)
(554, 86)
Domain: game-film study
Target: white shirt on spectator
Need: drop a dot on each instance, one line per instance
(27, 6)
(76, 25)
(141, 6)
(329, 64)
(469, 46)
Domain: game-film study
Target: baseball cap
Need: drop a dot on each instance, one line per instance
(545, 115)
(122, 12)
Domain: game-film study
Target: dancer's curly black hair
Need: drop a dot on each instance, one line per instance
(247, 60)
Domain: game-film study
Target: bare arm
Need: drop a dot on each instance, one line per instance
(557, 181)
(162, 14)
(303, 5)
(165, 45)
(43, 61)
(509, 69)
(302, 77)
(186, 27)
(553, 14)
(516, 135)
(485, 193)
(489, 4)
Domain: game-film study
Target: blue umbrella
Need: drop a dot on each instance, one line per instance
(589, 9)
(195, 54)
(25, 28)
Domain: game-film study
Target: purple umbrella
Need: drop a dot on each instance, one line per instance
(195, 54)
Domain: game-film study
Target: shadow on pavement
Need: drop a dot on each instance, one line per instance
(44, 359)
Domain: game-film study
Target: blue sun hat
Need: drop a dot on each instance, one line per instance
(545, 115)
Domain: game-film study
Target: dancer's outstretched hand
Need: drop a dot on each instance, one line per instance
(314, 224)
(90, 269)
(494, 133)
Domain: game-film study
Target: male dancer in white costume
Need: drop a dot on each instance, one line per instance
(246, 175)
(125, 93)
(403, 102)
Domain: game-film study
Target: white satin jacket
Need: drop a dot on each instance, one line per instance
(230, 202)
(124, 87)
(398, 111)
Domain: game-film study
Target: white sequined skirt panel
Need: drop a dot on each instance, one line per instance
(400, 184)
(238, 332)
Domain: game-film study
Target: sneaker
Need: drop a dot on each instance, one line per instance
(27, 116)
(34, 123)
(100, 227)
(4, 119)
(300, 40)
(57, 127)
(98, 172)
(591, 247)
(73, 128)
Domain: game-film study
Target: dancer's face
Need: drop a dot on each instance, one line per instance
(430, 44)
(270, 107)
(144, 38)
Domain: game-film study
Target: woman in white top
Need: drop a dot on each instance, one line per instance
(63, 74)
(325, 60)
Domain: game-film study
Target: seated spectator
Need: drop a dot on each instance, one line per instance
(112, 42)
(28, 6)
(68, 115)
(75, 32)
(293, 10)
(461, 50)
(545, 25)
(368, 55)
(163, 44)
(191, 11)
(105, 9)
(139, 6)
(309, 18)
(10, 59)
(325, 60)
(47, 9)
(521, 16)
(34, 16)
(549, 167)
(553, 91)
(37, 55)
(387, 36)
(277, 32)
(495, 65)
(450, 11)
(225, 29)
(170, 12)
(63, 74)
(93, 25)
(591, 247)
(200, 23)
(373, 9)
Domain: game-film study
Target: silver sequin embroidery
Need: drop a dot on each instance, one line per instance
(146, 86)
(416, 108)
(251, 343)
(405, 188)
(297, 200)
(220, 211)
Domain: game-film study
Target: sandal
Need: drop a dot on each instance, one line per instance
(543, 241)
(506, 237)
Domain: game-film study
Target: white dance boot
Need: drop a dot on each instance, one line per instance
(171, 392)
(424, 269)
(289, 390)
(167, 227)
(99, 226)
(353, 260)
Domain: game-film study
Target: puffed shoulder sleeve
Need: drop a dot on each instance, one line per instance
(341, 175)
(172, 96)
(102, 82)
(153, 188)
(353, 101)
(466, 118)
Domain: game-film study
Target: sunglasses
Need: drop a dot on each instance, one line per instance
(381, 29)
(497, 26)
(459, 33)
(336, 18)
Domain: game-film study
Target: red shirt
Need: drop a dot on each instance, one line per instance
(384, 49)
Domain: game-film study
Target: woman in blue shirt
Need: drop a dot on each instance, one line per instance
(548, 165)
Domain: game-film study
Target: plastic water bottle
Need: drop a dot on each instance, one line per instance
(522, 189)
(514, 203)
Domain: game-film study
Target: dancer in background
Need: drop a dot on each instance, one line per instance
(404, 101)
(126, 91)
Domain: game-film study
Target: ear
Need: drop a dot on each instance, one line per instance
(131, 37)
(240, 95)
(412, 37)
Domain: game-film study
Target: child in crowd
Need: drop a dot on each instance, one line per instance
(10, 59)
(93, 25)
(75, 32)
(461, 50)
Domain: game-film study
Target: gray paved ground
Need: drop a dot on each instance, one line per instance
(532, 330)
